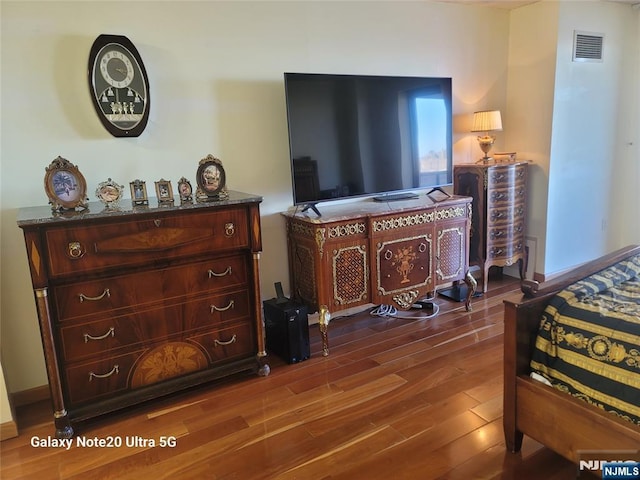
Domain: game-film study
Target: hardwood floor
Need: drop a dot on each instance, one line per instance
(396, 398)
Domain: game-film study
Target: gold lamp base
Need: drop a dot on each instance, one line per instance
(486, 142)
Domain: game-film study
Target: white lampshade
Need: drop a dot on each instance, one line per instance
(487, 121)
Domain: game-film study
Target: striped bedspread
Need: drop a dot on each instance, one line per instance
(589, 340)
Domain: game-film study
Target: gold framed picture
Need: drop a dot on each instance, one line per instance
(211, 179)
(164, 192)
(185, 191)
(138, 193)
(65, 186)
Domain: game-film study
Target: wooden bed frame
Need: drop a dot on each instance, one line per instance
(557, 420)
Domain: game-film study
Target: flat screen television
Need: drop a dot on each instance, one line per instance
(364, 135)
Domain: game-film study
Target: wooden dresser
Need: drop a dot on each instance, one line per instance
(499, 192)
(140, 302)
(374, 252)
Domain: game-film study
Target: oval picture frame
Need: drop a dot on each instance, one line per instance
(65, 186)
(211, 179)
(185, 190)
(109, 193)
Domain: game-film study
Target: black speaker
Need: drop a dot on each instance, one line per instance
(287, 329)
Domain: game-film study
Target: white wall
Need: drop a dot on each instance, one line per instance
(216, 87)
(579, 124)
(528, 120)
(594, 122)
(627, 158)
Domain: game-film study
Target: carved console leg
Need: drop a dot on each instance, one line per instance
(323, 323)
(471, 289)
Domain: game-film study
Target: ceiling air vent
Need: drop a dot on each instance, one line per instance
(587, 47)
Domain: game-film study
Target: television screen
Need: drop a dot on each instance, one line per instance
(355, 135)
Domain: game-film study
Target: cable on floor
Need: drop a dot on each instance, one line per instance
(391, 311)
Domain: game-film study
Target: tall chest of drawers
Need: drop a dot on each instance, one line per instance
(498, 224)
(141, 302)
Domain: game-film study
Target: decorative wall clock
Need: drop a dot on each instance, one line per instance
(119, 85)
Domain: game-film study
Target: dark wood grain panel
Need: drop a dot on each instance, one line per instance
(227, 343)
(124, 243)
(111, 294)
(81, 340)
(100, 378)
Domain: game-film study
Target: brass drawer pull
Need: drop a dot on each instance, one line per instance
(84, 297)
(112, 332)
(499, 196)
(75, 250)
(218, 342)
(214, 274)
(229, 229)
(115, 369)
(222, 309)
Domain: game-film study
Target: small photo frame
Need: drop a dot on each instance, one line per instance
(185, 190)
(109, 193)
(164, 192)
(139, 193)
(211, 179)
(65, 186)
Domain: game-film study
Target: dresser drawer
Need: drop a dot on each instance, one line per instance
(100, 378)
(500, 234)
(505, 214)
(108, 376)
(126, 331)
(227, 343)
(501, 176)
(506, 251)
(506, 196)
(75, 250)
(114, 293)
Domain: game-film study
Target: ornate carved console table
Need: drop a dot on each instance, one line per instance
(141, 302)
(382, 253)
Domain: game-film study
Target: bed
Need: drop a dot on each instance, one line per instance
(558, 419)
